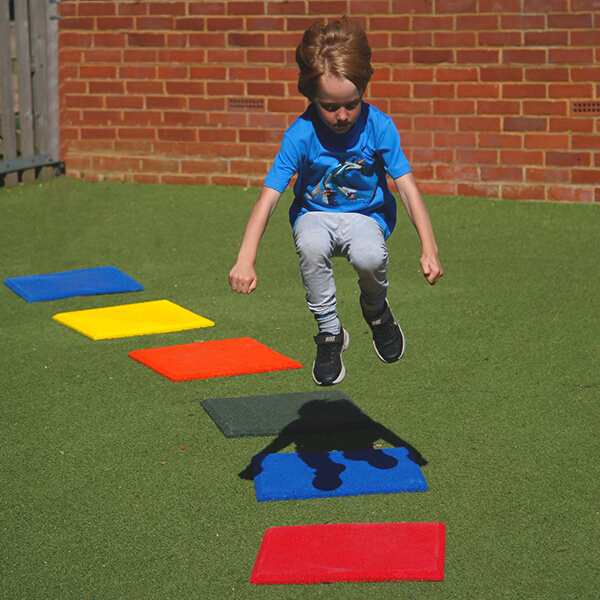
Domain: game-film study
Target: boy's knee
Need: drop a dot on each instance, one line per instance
(369, 257)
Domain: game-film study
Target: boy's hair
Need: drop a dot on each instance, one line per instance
(339, 49)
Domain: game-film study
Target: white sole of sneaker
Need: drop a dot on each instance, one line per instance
(342, 374)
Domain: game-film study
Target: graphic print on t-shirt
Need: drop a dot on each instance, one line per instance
(350, 181)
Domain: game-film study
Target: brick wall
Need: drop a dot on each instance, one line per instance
(483, 92)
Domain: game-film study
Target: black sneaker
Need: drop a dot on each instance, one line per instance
(328, 368)
(388, 339)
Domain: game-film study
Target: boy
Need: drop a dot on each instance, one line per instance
(341, 149)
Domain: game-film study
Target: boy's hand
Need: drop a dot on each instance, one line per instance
(432, 269)
(242, 279)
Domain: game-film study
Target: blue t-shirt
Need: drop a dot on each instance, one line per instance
(341, 172)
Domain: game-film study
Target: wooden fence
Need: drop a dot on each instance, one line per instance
(29, 110)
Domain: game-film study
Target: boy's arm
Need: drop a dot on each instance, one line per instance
(415, 207)
(242, 278)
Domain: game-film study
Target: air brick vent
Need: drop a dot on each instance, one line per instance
(246, 104)
(585, 108)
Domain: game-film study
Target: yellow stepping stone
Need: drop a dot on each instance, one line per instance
(143, 318)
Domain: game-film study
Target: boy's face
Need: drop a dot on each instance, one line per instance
(338, 103)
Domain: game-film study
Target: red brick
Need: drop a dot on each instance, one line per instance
(455, 6)
(463, 39)
(260, 135)
(457, 172)
(476, 156)
(100, 117)
(177, 40)
(223, 56)
(328, 7)
(455, 73)
(523, 22)
(124, 102)
(434, 123)
(521, 157)
(454, 107)
(477, 22)
(478, 90)
(500, 140)
(541, 107)
(154, 40)
(293, 7)
(455, 140)
(546, 141)
(571, 124)
(133, 8)
(412, 39)
(437, 188)
(432, 56)
(176, 179)
(501, 39)
(205, 7)
(586, 38)
(585, 142)
(98, 71)
(571, 55)
(166, 102)
(178, 134)
(138, 55)
(498, 107)
(190, 24)
(479, 190)
(522, 192)
(389, 23)
(112, 23)
(546, 38)
(499, 6)
(109, 40)
(479, 124)
(137, 72)
(184, 117)
(137, 133)
(547, 74)
(145, 87)
(267, 120)
(225, 88)
(585, 73)
(208, 40)
(568, 159)
(77, 40)
(477, 57)
(434, 155)
(96, 8)
(586, 176)
(425, 90)
(224, 23)
(545, 6)
(167, 8)
(501, 74)
(203, 166)
(524, 56)
(433, 23)
(183, 56)
(544, 175)
(369, 7)
(245, 8)
(524, 90)
(501, 173)
(185, 88)
(570, 193)
(102, 133)
(421, 139)
(76, 101)
(154, 23)
(266, 24)
(580, 5)
(408, 106)
(174, 71)
(570, 21)
(570, 91)
(525, 124)
(265, 56)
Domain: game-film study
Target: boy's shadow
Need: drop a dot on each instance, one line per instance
(354, 433)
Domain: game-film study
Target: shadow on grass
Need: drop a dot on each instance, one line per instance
(354, 433)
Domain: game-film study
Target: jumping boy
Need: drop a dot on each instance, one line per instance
(341, 148)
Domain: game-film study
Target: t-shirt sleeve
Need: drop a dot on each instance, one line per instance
(285, 166)
(390, 150)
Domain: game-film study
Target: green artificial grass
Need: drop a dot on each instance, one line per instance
(115, 483)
